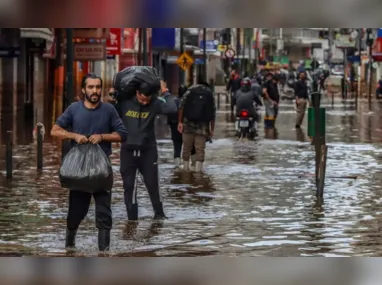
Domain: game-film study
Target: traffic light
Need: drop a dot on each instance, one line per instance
(369, 37)
(226, 36)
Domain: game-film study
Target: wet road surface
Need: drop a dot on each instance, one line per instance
(254, 199)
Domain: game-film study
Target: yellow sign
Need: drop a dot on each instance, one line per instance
(222, 48)
(185, 61)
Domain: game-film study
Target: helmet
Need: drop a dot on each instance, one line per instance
(246, 84)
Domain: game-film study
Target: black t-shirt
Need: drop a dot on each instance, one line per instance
(301, 89)
(272, 90)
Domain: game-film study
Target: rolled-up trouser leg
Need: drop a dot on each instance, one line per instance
(128, 169)
(148, 167)
(200, 147)
(300, 110)
(177, 140)
(188, 144)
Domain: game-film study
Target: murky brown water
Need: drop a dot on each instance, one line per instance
(255, 198)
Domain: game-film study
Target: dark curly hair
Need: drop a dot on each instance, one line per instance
(92, 76)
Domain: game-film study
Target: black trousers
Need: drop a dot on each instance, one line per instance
(146, 162)
(176, 140)
(79, 203)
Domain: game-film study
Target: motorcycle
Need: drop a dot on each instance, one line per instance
(245, 125)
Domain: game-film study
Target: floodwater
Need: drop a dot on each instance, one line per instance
(254, 199)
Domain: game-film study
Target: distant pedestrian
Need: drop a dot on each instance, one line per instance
(172, 121)
(196, 122)
(271, 100)
(302, 98)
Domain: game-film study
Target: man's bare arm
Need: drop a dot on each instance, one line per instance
(265, 92)
(60, 133)
(113, 137)
(180, 115)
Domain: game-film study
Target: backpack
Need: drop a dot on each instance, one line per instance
(199, 105)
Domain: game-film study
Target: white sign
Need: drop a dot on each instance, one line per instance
(86, 51)
(230, 53)
(345, 41)
(354, 34)
(280, 44)
(216, 42)
(375, 64)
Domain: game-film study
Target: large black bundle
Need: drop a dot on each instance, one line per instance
(133, 78)
(86, 168)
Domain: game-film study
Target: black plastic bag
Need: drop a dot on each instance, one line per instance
(133, 78)
(86, 168)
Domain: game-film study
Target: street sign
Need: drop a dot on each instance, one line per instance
(210, 45)
(345, 41)
(199, 61)
(230, 53)
(86, 51)
(185, 61)
(114, 42)
(354, 34)
(222, 48)
(10, 52)
(316, 45)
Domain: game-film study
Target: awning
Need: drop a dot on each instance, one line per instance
(37, 33)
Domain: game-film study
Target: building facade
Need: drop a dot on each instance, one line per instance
(25, 80)
(298, 43)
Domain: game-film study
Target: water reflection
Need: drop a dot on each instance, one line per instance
(300, 135)
(195, 187)
(133, 232)
(271, 133)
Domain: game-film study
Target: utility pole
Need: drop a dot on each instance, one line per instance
(249, 43)
(344, 90)
(257, 51)
(69, 68)
(244, 65)
(370, 42)
(238, 48)
(144, 49)
(359, 46)
(330, 42)
(181, 71)
(68, 97)
(205, 54)
(139, 56)
(226, 36)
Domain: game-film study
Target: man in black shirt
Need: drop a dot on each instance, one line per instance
(302, 97)
(271, 100)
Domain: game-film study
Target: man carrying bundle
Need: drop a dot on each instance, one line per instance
(139, 101)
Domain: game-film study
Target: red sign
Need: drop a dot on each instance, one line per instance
(130, 38)
(377, 50)
(113, 42)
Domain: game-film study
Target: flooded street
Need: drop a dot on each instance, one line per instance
(254, 199)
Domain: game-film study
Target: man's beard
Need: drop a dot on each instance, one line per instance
(93, 98)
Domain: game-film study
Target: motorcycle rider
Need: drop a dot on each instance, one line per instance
(245, 98)
(233, 85)
(256, 87)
